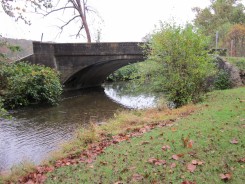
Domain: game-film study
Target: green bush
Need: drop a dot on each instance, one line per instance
(182, 61)
(3, 112)
(222, 80)
(23, 84)
(124, 73)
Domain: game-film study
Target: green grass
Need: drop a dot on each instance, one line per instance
(220, 120)
(238, 61)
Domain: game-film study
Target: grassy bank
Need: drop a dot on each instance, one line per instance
(200, 144)
(206, 147)
(126, 122)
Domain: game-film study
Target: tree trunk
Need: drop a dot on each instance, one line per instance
(85, 24)
(82, 12)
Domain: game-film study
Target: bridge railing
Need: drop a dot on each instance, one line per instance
(108, 48)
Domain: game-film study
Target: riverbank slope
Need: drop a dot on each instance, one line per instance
(204, 143)
(206, 147)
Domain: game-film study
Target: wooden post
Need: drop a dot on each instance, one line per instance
(42, 37)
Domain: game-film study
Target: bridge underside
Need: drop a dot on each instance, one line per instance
(96, 74)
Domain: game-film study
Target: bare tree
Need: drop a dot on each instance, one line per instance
(46, 7)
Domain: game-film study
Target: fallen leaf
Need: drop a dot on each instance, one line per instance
(145, 129)
(124, 170)
(180, 155)
(166, 147)
(145, 142)
(175, 157)
(196, 162)
(173, 165)
(119, 182)
(188, 182)
(156, 161)
(154, 182)
(68, 163)
(226, 176)
(242, 160)
(115, 141)
(185, 141)
(192, 153)
(160, 162)
(234, 141)
(190, 144)
(49, 169)
(191, 167)
(152, 160)
(174, 129)
(89, 160)
(103, 163)
(30, 182)
(41, 178)
(137, 177)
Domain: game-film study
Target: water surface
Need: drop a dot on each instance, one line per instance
(36, 131)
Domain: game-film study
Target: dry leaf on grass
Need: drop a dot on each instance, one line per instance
(166, 147)
(242, 160)
(191, 167)
(226, 176)
(234, 141)
(137, 177)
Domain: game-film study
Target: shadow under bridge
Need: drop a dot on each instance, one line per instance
(96, 74)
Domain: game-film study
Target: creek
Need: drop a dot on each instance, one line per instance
(34, 132)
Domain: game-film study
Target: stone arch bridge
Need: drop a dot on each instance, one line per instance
(84, 65)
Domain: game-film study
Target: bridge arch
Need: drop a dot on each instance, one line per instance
(96, 74)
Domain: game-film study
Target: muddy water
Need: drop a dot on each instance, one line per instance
(36, 131)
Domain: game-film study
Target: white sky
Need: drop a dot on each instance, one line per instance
(123, 20)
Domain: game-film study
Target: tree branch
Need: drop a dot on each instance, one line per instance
(63, 8)
(74, 4)
(78, 33)
(68, 22)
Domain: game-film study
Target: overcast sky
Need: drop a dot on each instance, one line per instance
(123, 20)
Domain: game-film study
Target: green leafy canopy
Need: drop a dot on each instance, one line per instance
(183, 63)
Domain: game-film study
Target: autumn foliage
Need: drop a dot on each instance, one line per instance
(236, 40)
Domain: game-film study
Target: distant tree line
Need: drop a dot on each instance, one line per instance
(225, 18)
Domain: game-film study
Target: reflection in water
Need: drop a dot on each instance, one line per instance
(119, 93)
(36, 131)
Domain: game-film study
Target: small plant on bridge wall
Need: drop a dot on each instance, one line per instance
(23, 84)
(182, 61)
